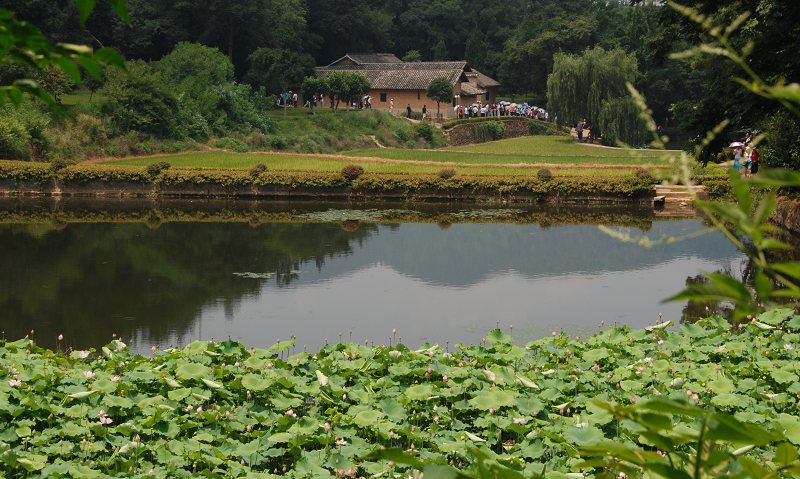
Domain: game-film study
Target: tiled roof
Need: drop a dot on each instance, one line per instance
(402, 76)
(483, 80)
(471, 89)
(361, 58)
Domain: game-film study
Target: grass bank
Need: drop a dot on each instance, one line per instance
(533, 150)
(161, 180)
(215, 409)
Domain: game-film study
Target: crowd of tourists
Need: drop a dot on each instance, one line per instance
(746, 157)
(502, 108)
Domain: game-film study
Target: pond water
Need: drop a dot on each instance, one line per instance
(169, 274)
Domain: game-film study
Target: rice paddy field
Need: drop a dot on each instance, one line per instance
(518, 156)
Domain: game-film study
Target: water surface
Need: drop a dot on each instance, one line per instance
(170, 282)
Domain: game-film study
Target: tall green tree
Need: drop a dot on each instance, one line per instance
(276, 69)
(546, 27)
(477, 49)
(580, 84)
(772, 29)
(440, 90)
(439, 51)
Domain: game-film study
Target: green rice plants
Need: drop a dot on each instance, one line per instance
(351, 172)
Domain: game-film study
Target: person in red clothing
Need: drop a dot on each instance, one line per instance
(754, 157)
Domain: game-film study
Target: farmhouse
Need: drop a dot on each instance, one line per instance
(406, 83)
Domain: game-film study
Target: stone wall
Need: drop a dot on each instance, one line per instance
(475, 131)
(787, 215)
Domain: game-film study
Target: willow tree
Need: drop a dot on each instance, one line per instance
(579, 86)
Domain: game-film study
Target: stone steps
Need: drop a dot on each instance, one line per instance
(676, 200)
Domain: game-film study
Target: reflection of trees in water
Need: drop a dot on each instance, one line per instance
(137, 280)
(695, 310)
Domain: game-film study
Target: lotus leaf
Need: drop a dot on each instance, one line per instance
(791, 427)
(728, 400)
(595, 355)
(782, 376)
(254, 382)
(419, 392)
(493, 398)
(191, 370)
(776, 316)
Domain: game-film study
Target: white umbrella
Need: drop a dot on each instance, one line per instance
(735, 144)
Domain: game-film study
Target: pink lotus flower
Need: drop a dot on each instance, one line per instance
(102, 418)
(327, 427)
(88, 374)
(14, 383)
(60, 337)
(116, 378)
(82, 354)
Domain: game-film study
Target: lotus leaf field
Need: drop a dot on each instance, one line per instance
(219, 409)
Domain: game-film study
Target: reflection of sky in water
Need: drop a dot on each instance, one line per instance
(455, 284)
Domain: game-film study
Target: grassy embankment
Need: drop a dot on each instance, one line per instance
(514, 157)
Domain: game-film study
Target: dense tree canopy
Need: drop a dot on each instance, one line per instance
(580, 86)
(272, 44)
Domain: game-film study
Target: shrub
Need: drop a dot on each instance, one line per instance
(154, 169)
(782, 143)
(60, 164)
(14, 139)
(425, 131)
(278, 143)
(230, 144)
(643, 174)
(258, 169)
(22, 132)
(351, 172)
(447, 173)
(496, 129)
(544, 174)
(401, 135)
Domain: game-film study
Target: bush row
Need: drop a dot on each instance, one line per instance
(628, 186)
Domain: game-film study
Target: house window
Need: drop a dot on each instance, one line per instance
(383, 97)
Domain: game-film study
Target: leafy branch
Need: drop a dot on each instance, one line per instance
(23, 44)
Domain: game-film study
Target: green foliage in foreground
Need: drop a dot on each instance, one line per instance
(223, 410)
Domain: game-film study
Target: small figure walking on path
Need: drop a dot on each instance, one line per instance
(424, 112)
(408, 111)
(579, 131)
(391, 105)
(737, 158)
